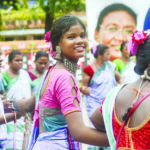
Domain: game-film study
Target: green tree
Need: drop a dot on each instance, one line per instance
(61, 7)
(1, 27)
(52, 8)
(7, 3)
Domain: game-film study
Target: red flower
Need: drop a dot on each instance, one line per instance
(139, 37)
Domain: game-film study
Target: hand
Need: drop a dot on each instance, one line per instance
(85, 90)
(7, 106)
(19, 114)
(3, 97)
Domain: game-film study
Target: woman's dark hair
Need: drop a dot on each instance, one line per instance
(61, 26)
(122, 45)
(13, 54)
(143, 56)
(111, 8)
(100, 50)
(41, 54)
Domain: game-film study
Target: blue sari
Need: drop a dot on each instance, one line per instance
(101, 83)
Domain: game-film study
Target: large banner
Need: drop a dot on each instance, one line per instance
(112, 21)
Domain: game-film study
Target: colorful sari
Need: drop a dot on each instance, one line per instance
(50, 112)
(101, 83)
(35, 80)
(16, 88)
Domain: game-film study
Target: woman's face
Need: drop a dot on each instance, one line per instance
(41, 63)
(73, 43)
(106, 55)
(125, 52)
(117, 26)
(17, 62)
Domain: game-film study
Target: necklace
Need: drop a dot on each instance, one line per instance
(136, 98)
(146, 75)
(71, 66)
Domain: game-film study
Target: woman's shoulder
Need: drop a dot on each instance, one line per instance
(23, 72)
(61, 73)
(129, 90)
(110, 64)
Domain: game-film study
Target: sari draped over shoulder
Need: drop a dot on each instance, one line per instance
(131, 138)
(107, 110)
(101, 83)
(50, 112)
(17, 88)
(35, 80)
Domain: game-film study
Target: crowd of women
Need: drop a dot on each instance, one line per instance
(118, 108)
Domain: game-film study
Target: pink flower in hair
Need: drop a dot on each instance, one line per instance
(48, 40)
(137, 38)
(94, 49)
(47, 37)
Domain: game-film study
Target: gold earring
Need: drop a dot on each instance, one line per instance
(58, 50)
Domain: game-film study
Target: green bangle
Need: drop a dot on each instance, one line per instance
(14, 107)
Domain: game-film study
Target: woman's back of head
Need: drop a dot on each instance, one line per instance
(99, 49)
(143, 56)
(133, 92)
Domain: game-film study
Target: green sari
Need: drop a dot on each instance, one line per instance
(16, 88)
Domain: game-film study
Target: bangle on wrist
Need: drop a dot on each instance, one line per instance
(14, 106)
(15, 116)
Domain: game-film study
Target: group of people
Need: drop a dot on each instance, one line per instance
(16, 84)
(122, 115)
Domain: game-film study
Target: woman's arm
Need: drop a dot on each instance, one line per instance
(85, 89)
(85, 134)
(9, 117)
(97, 120)
(25, 105)
(118, 77)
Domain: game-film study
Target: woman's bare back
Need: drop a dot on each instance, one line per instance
(125, 99)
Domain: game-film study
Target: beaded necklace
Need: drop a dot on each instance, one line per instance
(69, 65)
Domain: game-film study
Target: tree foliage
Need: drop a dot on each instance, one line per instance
(57, 8)
(53, 8)
(5, 4)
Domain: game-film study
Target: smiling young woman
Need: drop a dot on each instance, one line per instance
(58, 116)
